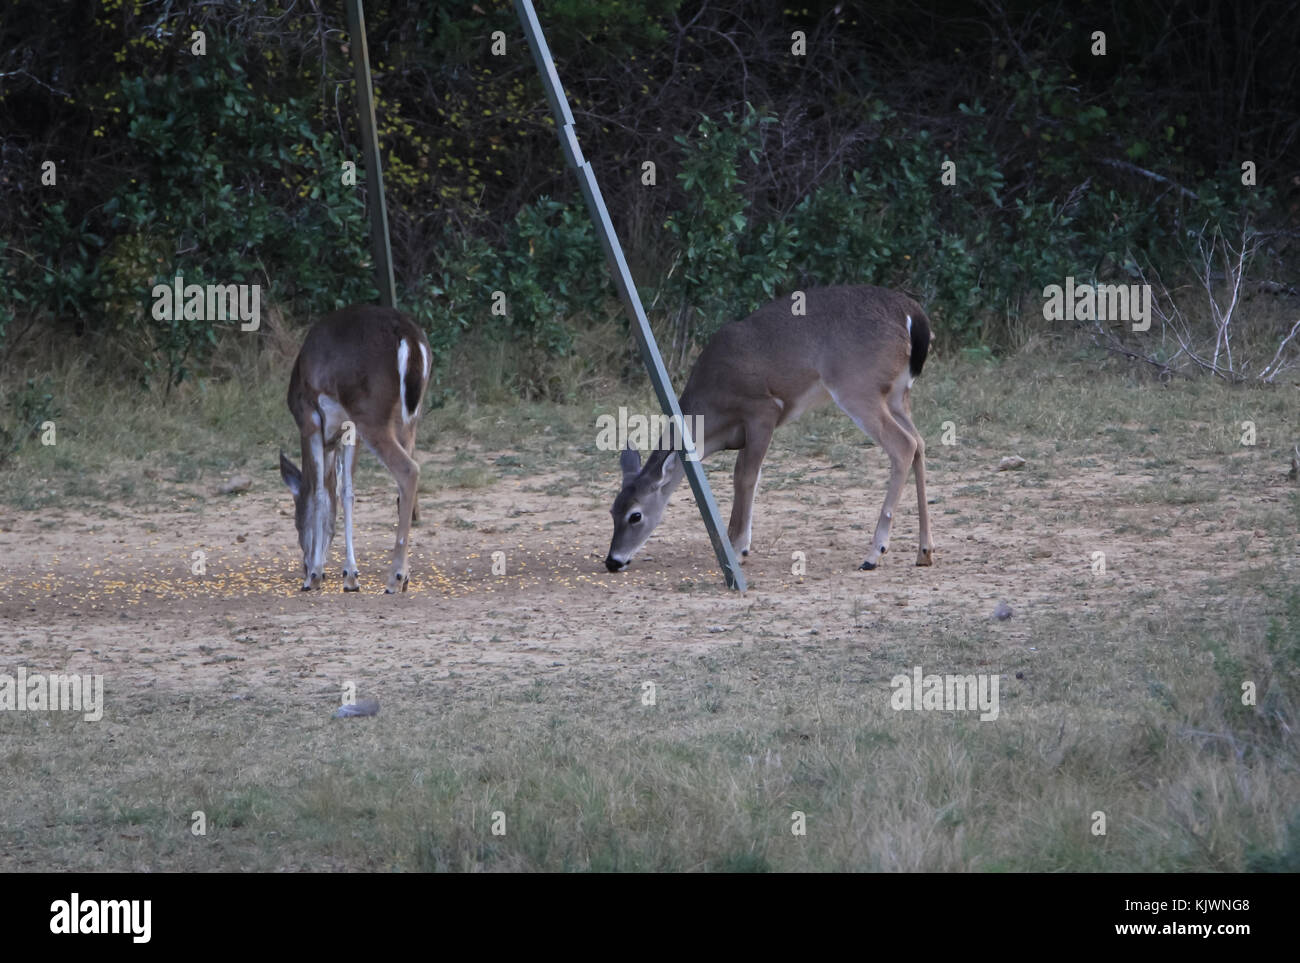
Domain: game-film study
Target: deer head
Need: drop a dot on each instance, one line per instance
(640, 504)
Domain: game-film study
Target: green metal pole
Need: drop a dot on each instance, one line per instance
(627, 290)
(379, 243)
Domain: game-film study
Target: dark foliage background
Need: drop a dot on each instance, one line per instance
(774, 171)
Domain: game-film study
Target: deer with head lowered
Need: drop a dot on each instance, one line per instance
(861, 347)
(362, 372)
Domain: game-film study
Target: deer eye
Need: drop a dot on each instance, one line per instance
(634, 518)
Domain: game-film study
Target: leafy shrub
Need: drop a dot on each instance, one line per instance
(204, 214)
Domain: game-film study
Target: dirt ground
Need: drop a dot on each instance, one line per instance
(112, 592)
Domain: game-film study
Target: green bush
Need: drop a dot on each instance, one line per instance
(227, 167)
(550, 267)
(206, 217)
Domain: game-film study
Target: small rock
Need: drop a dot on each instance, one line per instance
(362, 707)
(239, 483)
(1011, 463)
(1002, 612)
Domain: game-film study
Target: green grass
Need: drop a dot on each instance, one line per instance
(1130, 705)
(588, 778)
(118, 443)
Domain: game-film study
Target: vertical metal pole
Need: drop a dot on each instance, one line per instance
(379, 243)
(627, 290)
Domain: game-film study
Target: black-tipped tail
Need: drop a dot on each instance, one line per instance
(414, 377)
(921, 337)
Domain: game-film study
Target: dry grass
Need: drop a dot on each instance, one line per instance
(1120, 693)
(589, 778)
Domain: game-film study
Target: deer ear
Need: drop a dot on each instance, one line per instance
(666, 469)
(291, 475)
(630, 463)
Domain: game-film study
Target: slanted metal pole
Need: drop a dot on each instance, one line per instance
(627, 290)
(379, 243)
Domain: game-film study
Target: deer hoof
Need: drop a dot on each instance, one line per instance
(866, 567)
(925, 557)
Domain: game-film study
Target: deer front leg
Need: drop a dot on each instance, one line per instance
(319, 512)
(346, 463)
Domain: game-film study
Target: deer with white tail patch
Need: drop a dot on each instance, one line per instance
(362, 372)
(861, 347)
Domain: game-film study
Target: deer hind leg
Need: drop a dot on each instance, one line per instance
(406, 471)
(899, 407)
(347, 461)
(869, 411)
(749, 467)
(408, 445)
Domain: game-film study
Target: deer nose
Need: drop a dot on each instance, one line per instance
(614, 564)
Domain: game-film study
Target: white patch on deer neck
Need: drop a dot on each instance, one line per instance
(909, 324)
(428, 361)
(403, 355)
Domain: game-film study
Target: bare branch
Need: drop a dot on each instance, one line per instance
(1134, 169)
(1276, 366)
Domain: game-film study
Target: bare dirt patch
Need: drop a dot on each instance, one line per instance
(84, 592)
